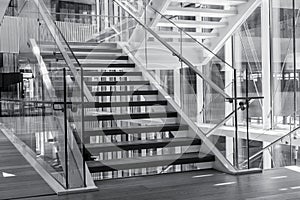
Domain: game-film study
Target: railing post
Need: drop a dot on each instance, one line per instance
(236, 156)
(82, 128)
(247, 115)
(66, 128)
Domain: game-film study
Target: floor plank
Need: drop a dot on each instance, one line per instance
(198, 185)
(17, 178)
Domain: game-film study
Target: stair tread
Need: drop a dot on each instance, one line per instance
(61, 65)
(99, 83)
(47, 56)
(136, 129)
(82, 43)
(125, 93)
(93, 73)
(125, 104)
(149, 161)
(96, 49)
(145, 115)
(141, 144)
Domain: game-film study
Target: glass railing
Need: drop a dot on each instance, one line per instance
(48, 118)
(282, 152)
(40, 122)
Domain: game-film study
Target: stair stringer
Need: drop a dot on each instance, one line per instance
(234, 22)
(221, 163)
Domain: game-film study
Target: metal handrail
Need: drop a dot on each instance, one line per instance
(174, 52)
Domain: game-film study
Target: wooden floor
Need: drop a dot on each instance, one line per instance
(17, 177)
(277, 184)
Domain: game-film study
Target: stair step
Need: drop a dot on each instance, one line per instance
(204, 12)
(117, 83)
(60, 65)
(126, 93)
(214, 2)
(47, 55)
(129, 116)
(135, 130)
(88, 44)
(176, 35)
(84, 44)
(150, 161)
(95, 149)
(96, 49)
(87, 74)
(125, 104)
(193, 24)
(95, 73)
(108, 65)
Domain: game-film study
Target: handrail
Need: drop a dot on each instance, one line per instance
(175, 53)
(271, 144)
(191, 37)
(51, 24)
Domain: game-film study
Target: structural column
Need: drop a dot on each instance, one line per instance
(228, 89)
(267, 157)
(266, 64)
(266, 75)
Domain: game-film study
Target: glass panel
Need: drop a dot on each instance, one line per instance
(41, 105)
(283, 66)
(282, 153)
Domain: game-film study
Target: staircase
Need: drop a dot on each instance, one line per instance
(130, 128)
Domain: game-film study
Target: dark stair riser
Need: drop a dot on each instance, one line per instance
(89, 74)
(116, 83)
(125, 104)
(126, 93)
(129, 116)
